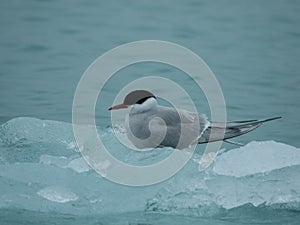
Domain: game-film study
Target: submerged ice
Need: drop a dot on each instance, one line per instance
(41, 169)
(57, 194)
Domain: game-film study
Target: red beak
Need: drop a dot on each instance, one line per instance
(120, 106)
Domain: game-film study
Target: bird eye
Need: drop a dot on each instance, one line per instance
(141, 101)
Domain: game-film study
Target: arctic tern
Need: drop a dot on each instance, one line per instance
(149, 125)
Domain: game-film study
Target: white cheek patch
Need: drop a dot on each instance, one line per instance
(150, 103)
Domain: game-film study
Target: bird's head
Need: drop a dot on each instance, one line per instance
(138, 99)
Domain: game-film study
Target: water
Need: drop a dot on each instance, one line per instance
(253, 49)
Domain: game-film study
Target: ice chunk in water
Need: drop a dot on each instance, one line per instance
(57, 194)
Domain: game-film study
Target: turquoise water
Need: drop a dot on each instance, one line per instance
(253, 48)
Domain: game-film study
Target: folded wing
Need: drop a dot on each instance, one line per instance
(222, 131)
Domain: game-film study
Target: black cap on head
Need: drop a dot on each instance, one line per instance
(137, 97)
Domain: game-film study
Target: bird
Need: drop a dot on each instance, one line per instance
(150, 125)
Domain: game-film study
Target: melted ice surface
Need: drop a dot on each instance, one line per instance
(256, 157)
(40, 165)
